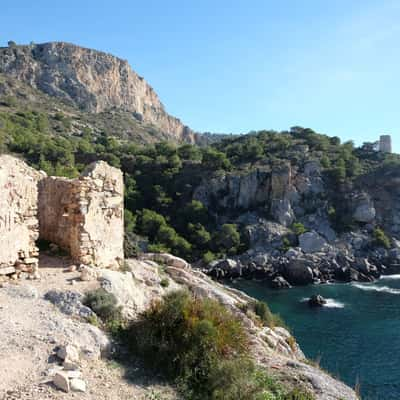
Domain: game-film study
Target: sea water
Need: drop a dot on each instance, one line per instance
(356, 336)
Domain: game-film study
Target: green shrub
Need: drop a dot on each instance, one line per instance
(381, 239)
(104, 305)
(227, 239)
(208, 257)
(298, 394)
(164, 282)
(9, 101)
(190, 338)
(203, 347)
(286, 245)
(263, 312)
(298, 228)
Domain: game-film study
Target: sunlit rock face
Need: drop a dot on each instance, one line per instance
(92, 80)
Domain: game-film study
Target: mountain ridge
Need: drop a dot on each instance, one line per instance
(92, 80)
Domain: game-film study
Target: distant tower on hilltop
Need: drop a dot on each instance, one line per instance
(385, 144)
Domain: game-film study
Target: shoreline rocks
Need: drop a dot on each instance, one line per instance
(316, 301)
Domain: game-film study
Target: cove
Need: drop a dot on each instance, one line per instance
(356, 337)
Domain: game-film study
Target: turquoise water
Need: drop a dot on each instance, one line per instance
(356, 338)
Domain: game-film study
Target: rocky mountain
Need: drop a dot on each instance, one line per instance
(308, 216)
(93, 81)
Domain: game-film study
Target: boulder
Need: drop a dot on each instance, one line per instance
(299, 271)
(281, 210)
(227, 264)
(312, 242)
(394, 254)
(280, 282)
(266, 235)
(293, 253)
(61, 381)
(78, 385)
(364, 266)
(69, 303)
(316, 301)
(364, 209)
(68, 353)
(128, 292)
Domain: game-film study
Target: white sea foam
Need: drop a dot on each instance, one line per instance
(376, 288)
(390, 277)
(330, 303)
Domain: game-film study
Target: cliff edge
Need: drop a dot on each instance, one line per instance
(92, 80)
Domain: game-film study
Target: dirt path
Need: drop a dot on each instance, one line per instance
(31, 328)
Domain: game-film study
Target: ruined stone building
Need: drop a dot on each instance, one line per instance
(19, 225)
(83, 216)
(385, 144)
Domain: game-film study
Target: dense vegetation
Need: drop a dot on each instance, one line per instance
(160, 178)
(197, 344)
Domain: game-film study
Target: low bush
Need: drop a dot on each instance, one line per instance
(164, 282)
(203, 347)
(381, 239)
(298, 228)
(263, 314)
(104, 305)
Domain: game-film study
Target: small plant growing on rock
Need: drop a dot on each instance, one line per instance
(380, 238)
(298, 228)
(286, 245)
(164, 282)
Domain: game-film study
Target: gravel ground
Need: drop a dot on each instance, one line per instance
(30, 330)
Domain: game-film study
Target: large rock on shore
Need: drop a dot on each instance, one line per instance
(311, 242)
(299, 271)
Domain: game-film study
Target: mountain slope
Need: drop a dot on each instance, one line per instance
(93, 81)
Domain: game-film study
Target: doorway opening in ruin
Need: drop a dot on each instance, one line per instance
(81, 217)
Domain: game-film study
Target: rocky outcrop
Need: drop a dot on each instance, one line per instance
(236, 192)
(273, 348)
(85, 216)
(19, 226)
(92, 80)
(364, 210)
(316, 301)
(380, 192)
(311, 242)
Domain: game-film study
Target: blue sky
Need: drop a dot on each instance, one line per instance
(235, 66)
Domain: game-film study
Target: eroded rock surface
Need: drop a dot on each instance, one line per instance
(92, 80)
(85, 216)
(19, 227)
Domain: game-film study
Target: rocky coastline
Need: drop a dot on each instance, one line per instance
(352, 257)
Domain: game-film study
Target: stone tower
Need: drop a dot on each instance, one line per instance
(385, 144)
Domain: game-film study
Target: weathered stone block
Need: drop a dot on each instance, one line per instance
(85, 216)
(18, 208)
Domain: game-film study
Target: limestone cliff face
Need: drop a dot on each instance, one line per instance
(92, 80)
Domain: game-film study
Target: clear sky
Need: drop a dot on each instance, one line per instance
(235, 66)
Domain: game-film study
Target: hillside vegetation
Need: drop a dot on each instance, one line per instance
(161, 177)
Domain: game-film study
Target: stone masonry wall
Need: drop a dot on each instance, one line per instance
(84, 216)
(18, 215)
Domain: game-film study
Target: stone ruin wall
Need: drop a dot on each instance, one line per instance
(84, 216)
(385, 144)
(19, 228)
